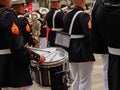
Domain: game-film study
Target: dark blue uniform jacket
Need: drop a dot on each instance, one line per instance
(79, 50)
(14, 66)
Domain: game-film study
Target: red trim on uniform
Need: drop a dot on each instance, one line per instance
(47, 32)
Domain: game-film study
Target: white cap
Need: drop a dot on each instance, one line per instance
(43, 10)
(18, 1)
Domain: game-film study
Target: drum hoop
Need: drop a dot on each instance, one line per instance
(53, 64)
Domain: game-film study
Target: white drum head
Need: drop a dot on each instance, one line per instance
(52, 54)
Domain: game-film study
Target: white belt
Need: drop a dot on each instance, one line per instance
(5, 51)
(115, 51)
(77, 36)
(57, 29)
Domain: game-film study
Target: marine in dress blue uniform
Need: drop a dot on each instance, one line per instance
(99, 46)
(23, 21)
(54, 20)
(107, 18)
(14, 56)
(58, 21)
(80, 54)
(26, 31)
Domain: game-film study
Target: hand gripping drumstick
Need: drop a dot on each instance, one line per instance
(50, 53)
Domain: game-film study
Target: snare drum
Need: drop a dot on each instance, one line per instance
(54, 69)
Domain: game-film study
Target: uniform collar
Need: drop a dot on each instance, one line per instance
(77, 7)
(54, 9)
(1, 6)
(18, 13)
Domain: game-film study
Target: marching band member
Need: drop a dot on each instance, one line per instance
(54, 19)
(19, 7)
(81, 58)
(14, 56)
(99, 46)
(106, 17)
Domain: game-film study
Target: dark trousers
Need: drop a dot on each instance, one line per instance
(114, 72)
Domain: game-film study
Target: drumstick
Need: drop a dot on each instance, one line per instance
(53, 56)
(50, 54)
(40, 50)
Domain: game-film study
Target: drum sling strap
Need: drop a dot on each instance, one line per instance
(53, 19)
(63, 39)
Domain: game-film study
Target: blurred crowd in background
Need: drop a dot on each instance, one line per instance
(36, 15)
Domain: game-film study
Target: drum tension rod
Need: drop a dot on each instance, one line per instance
(62, 72)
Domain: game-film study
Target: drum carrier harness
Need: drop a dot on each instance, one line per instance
(63, 39)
